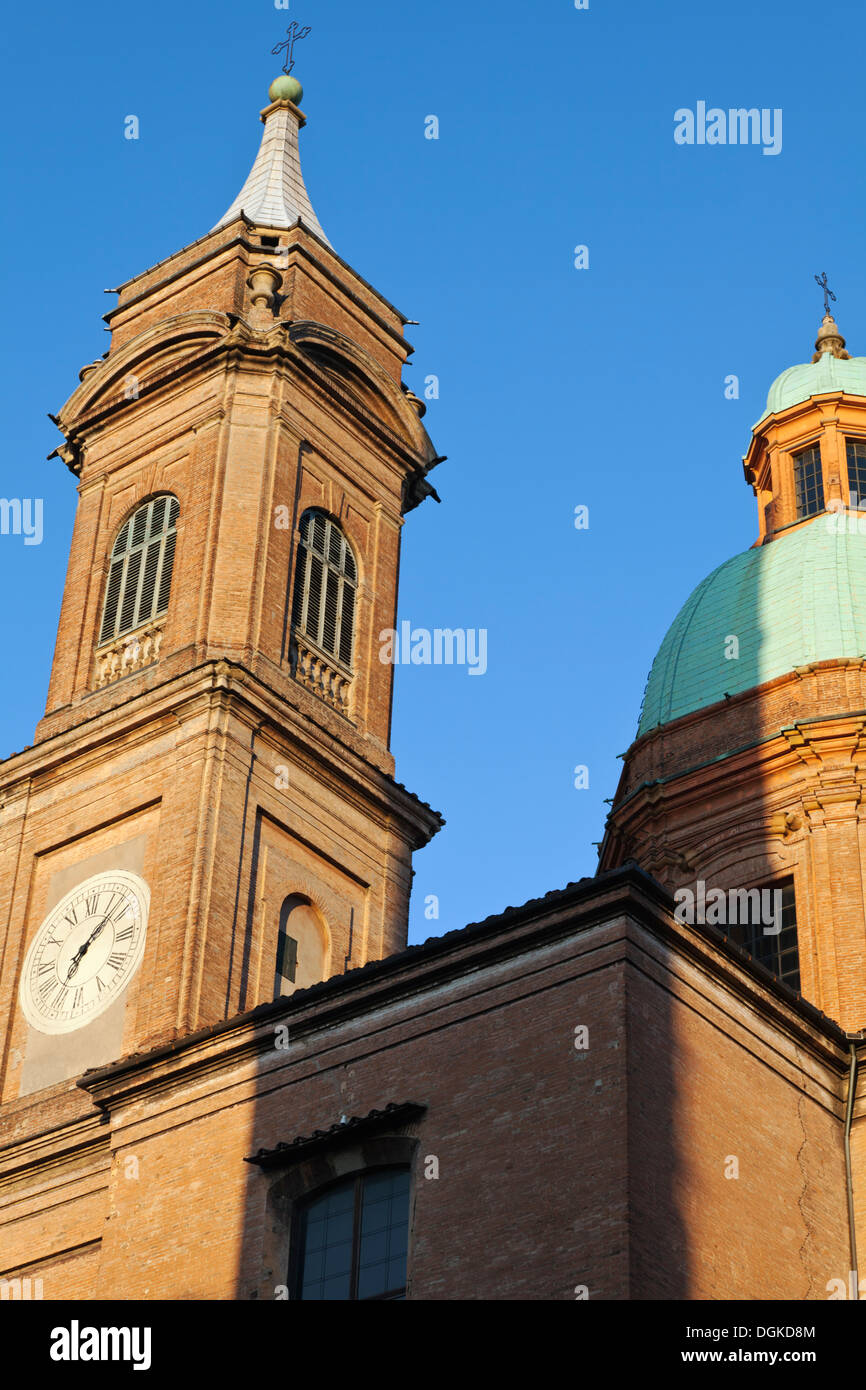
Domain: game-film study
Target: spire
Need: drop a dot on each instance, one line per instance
(274, 194)
(829, 339)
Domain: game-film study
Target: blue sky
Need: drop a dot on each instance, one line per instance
(559, 387)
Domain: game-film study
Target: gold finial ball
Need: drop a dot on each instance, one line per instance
(286, 88)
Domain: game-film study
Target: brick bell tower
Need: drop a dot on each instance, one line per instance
(208, 816)
(749, 767)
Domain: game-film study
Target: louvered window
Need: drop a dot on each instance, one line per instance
(326, 577)
(139, 578)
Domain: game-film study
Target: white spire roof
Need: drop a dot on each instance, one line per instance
(274, 194)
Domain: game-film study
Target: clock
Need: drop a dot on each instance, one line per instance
(85, 952)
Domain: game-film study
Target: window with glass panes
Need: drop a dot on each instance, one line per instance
(326, 576)
(354, 1239)
(808, 482)
(773, 905)
(856, 451)
(139, 576)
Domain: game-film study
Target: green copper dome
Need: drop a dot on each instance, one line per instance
(807, 379)
(799, 599)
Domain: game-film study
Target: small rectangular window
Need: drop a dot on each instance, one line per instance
(808, 482)
(766, 927)
(856, 450)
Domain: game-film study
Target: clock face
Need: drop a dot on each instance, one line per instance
(85, 953)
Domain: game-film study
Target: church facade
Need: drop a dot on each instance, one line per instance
(224, 1075)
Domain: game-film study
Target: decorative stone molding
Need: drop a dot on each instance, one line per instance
(130, 653)
(263, 282)
(320, 674)
(785, 823)
(668, 864)
(416, 403)
(71, 455)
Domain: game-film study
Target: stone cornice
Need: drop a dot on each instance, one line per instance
(322, 754)
(821, 759)
(727, 718)
(52, 1149)
(260, 349)
(825, 402)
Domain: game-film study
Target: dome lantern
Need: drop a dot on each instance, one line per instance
(805, 453)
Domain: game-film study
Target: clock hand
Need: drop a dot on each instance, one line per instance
(82, 950)
(94, 934)
(76, 961)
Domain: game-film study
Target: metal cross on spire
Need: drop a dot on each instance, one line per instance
(294, 32)
(828, 293)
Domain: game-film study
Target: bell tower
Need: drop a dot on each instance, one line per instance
(212, 778)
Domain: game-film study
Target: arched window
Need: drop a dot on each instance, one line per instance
(139, 580)
(326, 577)
(354, 1237)
(301, 947)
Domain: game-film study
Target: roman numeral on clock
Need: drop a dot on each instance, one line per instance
(116, 909)
(124, 935)
(115, 960)
(52, 993)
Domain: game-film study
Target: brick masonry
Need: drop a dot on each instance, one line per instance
(607, 1166)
